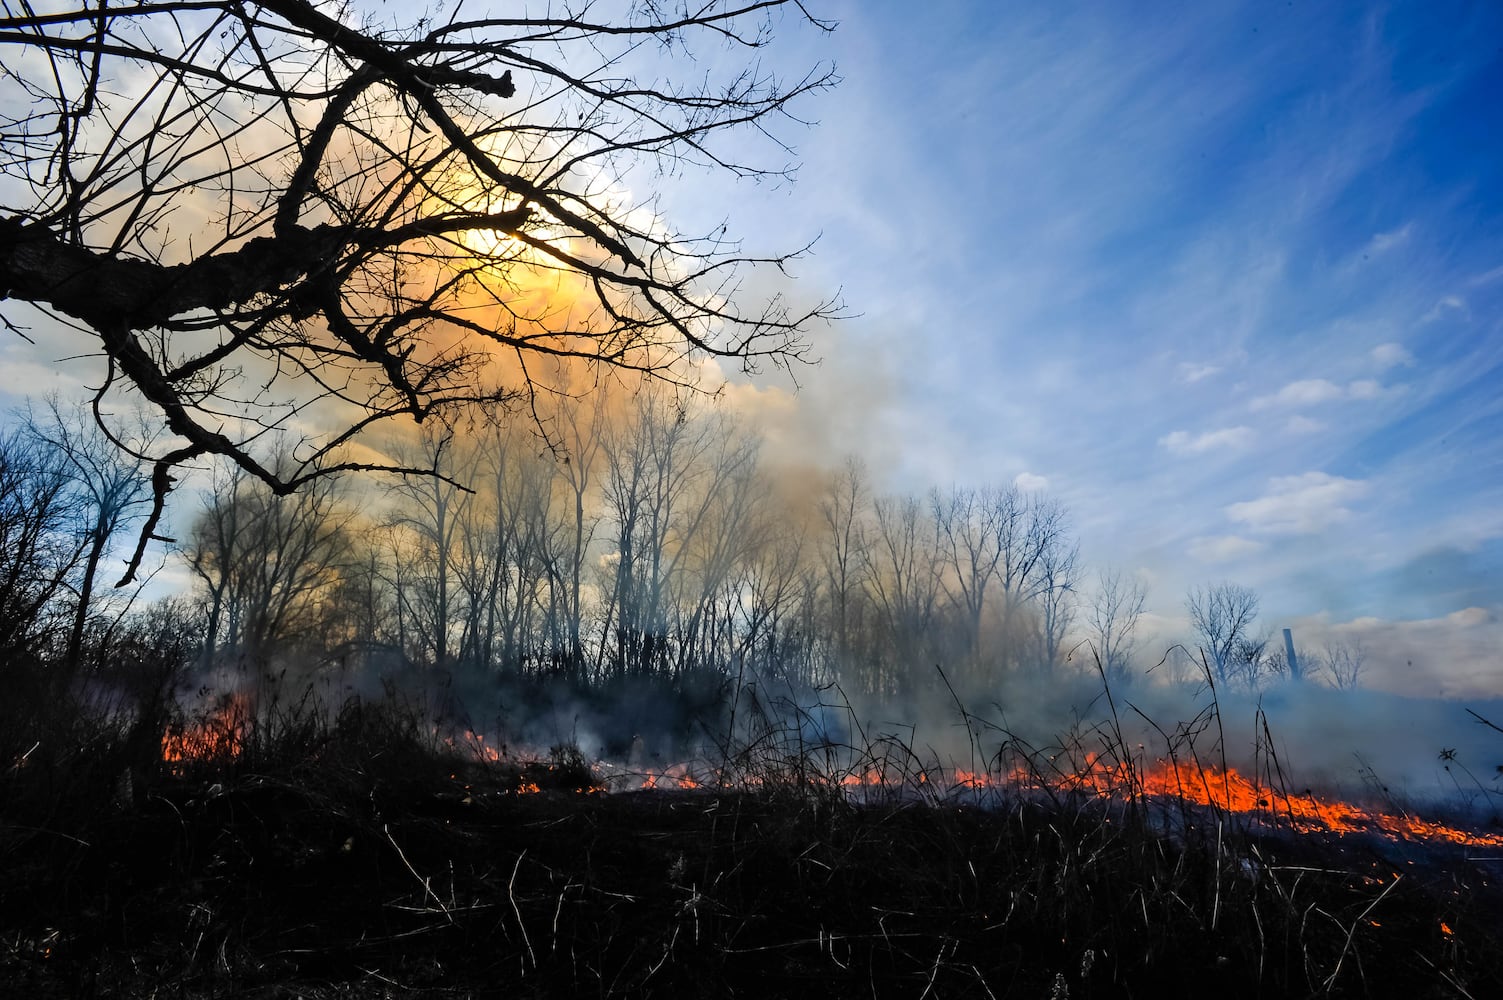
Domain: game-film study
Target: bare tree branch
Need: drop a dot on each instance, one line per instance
(287, 213)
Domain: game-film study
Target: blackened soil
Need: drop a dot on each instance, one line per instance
(455, 884)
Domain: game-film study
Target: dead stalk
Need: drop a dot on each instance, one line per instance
(511, 897)
(1352, 930)
(427, 888)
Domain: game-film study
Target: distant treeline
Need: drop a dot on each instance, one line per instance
(605, 541)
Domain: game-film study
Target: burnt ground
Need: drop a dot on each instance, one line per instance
(423, 877)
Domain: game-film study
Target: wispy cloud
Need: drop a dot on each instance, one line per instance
(1445, 305)
(1387, 356)
(1028, 482)
(1316, 392)
(1487, 277)
(1383, 242)
(1299, 505)
(1225, 439)
(1300, 424)
(1190, 372)
(1306, 392)
(1223, 548)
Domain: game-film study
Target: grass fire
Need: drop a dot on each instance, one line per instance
(471, 526)
(363, 851)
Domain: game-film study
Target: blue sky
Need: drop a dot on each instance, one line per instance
(1227, 277)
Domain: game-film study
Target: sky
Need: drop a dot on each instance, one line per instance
(1225, 279)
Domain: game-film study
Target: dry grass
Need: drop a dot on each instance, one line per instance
(356, 855)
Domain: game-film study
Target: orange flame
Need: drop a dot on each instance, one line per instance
(217, 735)
(475, 743)
(678, 774)
(1228, 790)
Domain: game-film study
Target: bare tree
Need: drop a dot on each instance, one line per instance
(843, 552)
(1055, 604)
(429, 510)
(1223, 616)
(507, 534)
(1112, 618)
(1031, 532)
(652, 461)
(109, 487)
(1342, 662)
(267, 563)
(723, 531)
(279, 209)
(903, 585)
(1008, 551)
(39, 546)
(580, 436)
(971, 551)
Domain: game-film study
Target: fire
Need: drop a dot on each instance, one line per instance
(216, 735)
(220, 734)
(1163, 784)
(870, 778)
(1228, 790)
(677, 774)
(477, 746)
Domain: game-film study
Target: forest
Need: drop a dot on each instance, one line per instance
(651, 547)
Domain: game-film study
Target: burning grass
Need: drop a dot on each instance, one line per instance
(364, 857)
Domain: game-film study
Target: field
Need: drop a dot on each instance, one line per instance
(361, 859)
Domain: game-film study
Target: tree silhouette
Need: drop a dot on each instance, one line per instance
(1224, 617)
(287, 213)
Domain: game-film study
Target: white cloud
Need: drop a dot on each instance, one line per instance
(1450, 656)
(1316, 391)
(1392, 355)
(1449, 303)
(1382, 242)
(1487, 277)
(22, 377)
(1306, 392)
(1191, 372)
(1225, 439)
(1030, 483)
(1222, 548)
(1299, 424)
(1299, 505)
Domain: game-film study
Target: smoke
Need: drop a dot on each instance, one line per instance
(950, 706)
(1360, 745)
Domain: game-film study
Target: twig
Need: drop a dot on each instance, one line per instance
(939, 957)
(1489, 724)
(1450, 979)
(818, 942)
(386, 828)
(511, 897)
(1352, 930)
